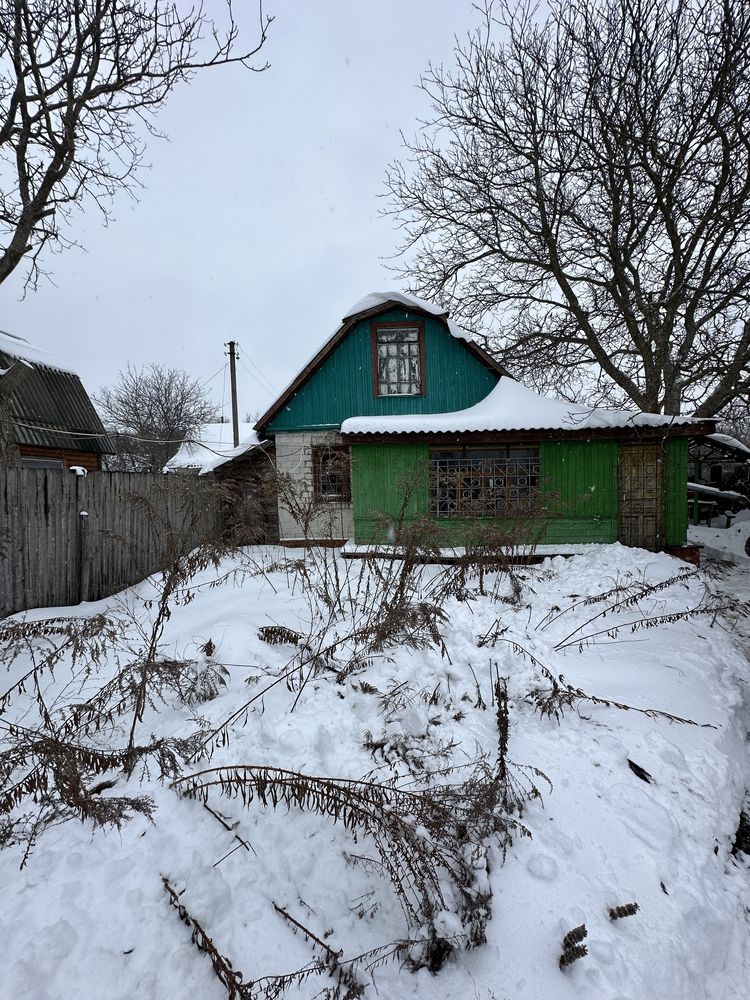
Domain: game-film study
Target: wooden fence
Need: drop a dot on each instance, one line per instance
(66, 539)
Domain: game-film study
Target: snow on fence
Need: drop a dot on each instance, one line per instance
(66, 538)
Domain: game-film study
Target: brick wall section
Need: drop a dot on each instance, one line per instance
(294, 458)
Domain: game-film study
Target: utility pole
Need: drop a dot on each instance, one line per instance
(233, 381)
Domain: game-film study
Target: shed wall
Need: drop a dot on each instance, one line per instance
(87, 460)
(676, 513)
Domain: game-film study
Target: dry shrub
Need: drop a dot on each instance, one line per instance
(74, 733)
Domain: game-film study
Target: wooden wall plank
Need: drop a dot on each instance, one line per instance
(41, 524)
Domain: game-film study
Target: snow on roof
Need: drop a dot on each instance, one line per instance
(730, 442)
(19, 347)
(715, 491)
(510, 407)
(375, 299)
(212, 446)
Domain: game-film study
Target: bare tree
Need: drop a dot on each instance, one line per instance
(151, 410)
(736, 420)
(81, 82)
(582, 189)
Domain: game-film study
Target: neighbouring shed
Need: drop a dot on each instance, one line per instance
(246, 473)
(721, 461)
(209, 446)
(249, 479)
(54, 421)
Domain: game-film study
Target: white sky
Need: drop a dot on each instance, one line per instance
(260, 217)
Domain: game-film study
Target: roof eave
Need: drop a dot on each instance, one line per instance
(633, 432)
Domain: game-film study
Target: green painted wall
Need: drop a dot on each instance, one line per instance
(389, 481)
(676, 520)
(579, 481)
(342, 387)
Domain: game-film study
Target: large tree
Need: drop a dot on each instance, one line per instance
(150, 411)
(81, 83)
(582, 189)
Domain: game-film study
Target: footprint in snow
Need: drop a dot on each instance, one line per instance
(542, 866)
(642, 816)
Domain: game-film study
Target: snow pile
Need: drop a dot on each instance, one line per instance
(511, 407)
(212, 446)
(721, 542)
(88, 916)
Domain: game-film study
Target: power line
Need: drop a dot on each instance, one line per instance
(212, 377)
(268, 387)
(263, 375)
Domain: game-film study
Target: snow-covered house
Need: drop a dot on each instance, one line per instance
(54, 421)
(211, 446)
(400, 416)
(250, 511)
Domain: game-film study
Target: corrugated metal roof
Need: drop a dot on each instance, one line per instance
(50, 408)
(514, 407)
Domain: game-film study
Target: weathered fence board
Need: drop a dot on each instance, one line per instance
(66, 539)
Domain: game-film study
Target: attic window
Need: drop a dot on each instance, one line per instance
(398, 359)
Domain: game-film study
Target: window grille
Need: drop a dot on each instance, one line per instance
(332, 473)
(495, 485)
(399, 361)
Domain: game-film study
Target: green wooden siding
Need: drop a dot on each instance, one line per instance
(342, 387)
(579, 480)
(389, 482)
(676, 490)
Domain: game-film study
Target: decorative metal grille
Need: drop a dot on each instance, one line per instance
(399, 364)
(482, 487)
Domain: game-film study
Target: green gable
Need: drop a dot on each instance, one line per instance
(342, 386)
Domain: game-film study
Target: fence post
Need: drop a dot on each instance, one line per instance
(84, 562)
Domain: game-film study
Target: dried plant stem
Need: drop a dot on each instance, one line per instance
(231, 979)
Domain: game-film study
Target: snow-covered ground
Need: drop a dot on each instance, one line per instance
(88, 915)
(720, 542)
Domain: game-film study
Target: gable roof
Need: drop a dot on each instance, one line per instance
(513, 407)
(50, 407)
(367, 308)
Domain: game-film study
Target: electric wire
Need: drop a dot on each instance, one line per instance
(268, 387)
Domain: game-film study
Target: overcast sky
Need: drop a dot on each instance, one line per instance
(260, 217)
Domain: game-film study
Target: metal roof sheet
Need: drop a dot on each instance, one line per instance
(51, 409)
